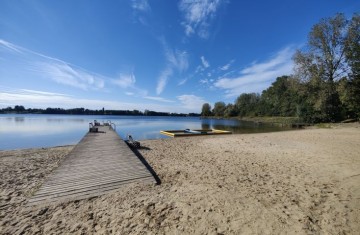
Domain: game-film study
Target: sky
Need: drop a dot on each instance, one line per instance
(161, 55)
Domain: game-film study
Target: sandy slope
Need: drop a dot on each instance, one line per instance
(296, 182)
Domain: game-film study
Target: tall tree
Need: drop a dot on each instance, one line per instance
(281, 98)
(230, 111)
(206, 110)
(352, 53)
(219, 109)
(19, 108)
(246, 104)
(323, 62)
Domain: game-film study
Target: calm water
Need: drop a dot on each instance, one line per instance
(33, 131)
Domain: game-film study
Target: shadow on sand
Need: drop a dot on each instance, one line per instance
(142, 159)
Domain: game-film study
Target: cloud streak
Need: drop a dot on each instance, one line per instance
(141, 9)
(227, 66)
(125, 80)
(199, 70)
(198, 15)
(204, 62)
(177, 61)
(175, 58)
(160, 99)
(65, 74)
(258, 76)
(163, 79)
(42, 99)
(10, 46)
(57, 70)
(140, 5)
(191, 102)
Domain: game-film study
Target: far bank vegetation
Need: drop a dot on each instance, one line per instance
(325, 86)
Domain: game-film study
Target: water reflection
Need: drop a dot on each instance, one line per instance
(205, 126)
(28, 131)
(19, 119)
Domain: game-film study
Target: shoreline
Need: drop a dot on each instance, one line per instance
(323, 126)
(265, 183)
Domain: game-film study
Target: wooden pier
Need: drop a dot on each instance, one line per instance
(99, 163)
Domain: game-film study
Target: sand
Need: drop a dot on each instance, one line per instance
(294, 182)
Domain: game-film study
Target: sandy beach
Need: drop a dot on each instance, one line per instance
(293, 182)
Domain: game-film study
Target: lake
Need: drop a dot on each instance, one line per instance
(18, 131)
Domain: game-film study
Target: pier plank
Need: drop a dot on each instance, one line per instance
(99, 163)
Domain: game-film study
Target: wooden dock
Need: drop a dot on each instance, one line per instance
(99, 163)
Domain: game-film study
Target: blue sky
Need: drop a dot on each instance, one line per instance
(160, 55)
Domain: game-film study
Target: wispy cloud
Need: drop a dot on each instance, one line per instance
(10, 46)
(34, 64)
(204, 81)
(204, 62)
(64, 73)
(4, 89)
(125, 80)
(183, 81)
(27, 53)
(156, 98)
(140, 5)
(32, 98)
(48, 67)
(34, 92)
(258, 76)
(177, 61)
(227, 66)
(198, 15)
(191, 102)
(141, 11)
(199, 70)
(163, 79)
(42, 99)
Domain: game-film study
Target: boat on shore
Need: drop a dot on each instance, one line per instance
(189, 132)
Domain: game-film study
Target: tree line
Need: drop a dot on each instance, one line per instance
(19, 109)
(325, 86)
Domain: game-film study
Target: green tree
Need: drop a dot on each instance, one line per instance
(230, 111)
(19, 108)
(324, 62)
(246, 104)
(352, 53)
(206, 110)
(219, 109)
(281, 98)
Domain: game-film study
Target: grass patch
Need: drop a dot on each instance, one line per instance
(280, 120)
(324, 125)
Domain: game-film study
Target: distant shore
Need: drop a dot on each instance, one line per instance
(290, 182)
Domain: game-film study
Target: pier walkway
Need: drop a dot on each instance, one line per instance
(99, 163)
